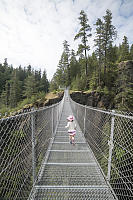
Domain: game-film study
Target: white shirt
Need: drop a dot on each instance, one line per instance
(71, 126)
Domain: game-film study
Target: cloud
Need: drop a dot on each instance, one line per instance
(32, 31)
(126, 8)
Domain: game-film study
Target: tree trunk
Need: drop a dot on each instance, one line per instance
(86, 66)
(99, 73)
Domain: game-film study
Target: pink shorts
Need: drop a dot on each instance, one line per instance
(72, 132)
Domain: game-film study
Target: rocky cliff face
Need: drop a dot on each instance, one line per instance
(49, 101)
(94, 99)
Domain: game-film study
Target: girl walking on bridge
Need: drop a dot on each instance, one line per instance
(71, 128)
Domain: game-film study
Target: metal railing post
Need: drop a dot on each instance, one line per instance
(111, 145)
(52, 121)
(57, 112)
(85, 120)
(33, 146)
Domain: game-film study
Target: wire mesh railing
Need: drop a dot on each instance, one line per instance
(24, 140)
(110, 136)
(70, 171)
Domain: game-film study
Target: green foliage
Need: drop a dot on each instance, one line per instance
(74, 66)
(106, 91)
(131, 52)
(124, 99)
(20, 84)
(30, 86)
(119, 153)
(17, 134)
(78, 83)
(124, 53)
(4, 110)
(44, 84)
(62, 76)
(32, 99)
(17, 177)
(106, 53)
(93, 82)
(103, 159)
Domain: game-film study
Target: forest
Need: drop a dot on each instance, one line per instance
(99, 71)
(20, 86)
(78, 69)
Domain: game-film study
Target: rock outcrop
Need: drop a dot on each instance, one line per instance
(94, 99)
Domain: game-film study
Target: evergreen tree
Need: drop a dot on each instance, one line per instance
(74, 66)
(21, 73)
(112, 55)
(124, 50)
(5, 74)
(109, 34)
(15, 90)
(38, 80)
(62, 75)
(65, 62)
(53, 83)
(44, 84)
(2, 78)
(93, 71)
(5, 95)
(17, 84)
(99, 44)
(29, 71)
(30, 86)
(124, 87)
(83, 34)
(5, 64)
(131, 52)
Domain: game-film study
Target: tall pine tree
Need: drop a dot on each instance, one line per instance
(108, 36)
(44, 84)
(99, 44)
(66, 55)
(84, 33)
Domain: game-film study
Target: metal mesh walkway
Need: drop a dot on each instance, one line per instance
(71, 171)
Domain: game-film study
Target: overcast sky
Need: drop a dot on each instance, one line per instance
(32, 31)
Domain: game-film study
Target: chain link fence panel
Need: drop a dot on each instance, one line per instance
(110, 136)
(24, 140)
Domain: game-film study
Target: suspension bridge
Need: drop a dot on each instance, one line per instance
(37, 161)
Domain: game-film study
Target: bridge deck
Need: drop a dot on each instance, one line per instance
(71, 172)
